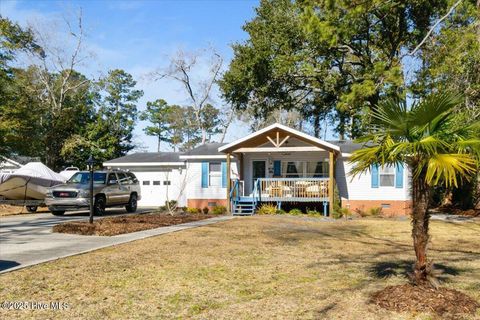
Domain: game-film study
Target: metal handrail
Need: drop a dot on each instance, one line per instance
(234, 188)
(256, 193)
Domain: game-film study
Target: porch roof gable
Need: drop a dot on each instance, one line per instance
(260, 137)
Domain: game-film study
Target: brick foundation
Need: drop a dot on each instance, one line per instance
(202, 203)
(396, 207)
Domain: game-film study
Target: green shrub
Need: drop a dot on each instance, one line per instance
(193, 210)
(375, 211)
(347, 212)
(267, 209)
(170, 204)
(295, 212)
(280, 211)
(313, 213)
(205, 210)
(341, 212)
(337, 214)
(219, 210)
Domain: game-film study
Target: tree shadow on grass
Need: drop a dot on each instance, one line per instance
(321, 313)
(387, 269)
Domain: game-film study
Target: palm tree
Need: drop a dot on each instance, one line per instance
(428, 138)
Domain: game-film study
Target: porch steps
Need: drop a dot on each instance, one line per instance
(245, 206)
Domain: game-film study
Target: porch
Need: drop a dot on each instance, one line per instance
(278, 191)
(279, 164)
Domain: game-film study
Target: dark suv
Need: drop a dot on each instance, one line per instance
(110, 188)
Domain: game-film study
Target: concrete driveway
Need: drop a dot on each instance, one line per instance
(27, 238)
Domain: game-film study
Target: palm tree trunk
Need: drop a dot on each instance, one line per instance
(420, 222)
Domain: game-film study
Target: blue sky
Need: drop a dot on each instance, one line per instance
(138, 36)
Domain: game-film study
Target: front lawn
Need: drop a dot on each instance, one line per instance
(261, 267)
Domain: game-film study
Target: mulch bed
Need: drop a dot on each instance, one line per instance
(126, 224)
(447, 303)
(452, 210)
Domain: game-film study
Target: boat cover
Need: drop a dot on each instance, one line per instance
(38, 172)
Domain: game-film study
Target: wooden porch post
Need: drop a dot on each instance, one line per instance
(240, 169)
(229, 183)
(331, 181)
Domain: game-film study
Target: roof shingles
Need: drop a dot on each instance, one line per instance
(148, 157)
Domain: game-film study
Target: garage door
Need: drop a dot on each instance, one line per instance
(154, 189)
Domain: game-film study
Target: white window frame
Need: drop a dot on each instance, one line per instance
(216, 174)
(381, 173)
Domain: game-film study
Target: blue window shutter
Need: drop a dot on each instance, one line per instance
(399, 175)
(277, 168)
(204, 174)
(224, 174)
(375, 176)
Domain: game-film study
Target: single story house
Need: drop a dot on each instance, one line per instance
(276, 164)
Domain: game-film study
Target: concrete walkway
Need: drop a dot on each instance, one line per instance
(22, 245)
(453, 218)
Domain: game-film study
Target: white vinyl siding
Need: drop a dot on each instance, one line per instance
(360, 186)
(194, 188)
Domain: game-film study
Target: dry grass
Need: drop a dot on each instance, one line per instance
(8, 210)
(262, 267)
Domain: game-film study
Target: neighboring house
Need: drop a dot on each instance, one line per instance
(277, 165)
(10, 165)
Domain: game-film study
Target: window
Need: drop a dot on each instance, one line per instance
(387, 176)
(317, 169)
(122, 177)
(167, 183)
(156, 183)
(112, 178)
(308, 169)
(132, 177)
(146, 183)
(292, 169)
(215, 174)
(84, 178)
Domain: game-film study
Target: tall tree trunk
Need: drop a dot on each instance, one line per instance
(158, 144)
(420, 222)
(316, 125)
(204, 135)
(476, 204)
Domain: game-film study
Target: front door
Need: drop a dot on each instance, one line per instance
(259, 170)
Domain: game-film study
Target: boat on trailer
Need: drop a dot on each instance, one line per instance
(30, 182)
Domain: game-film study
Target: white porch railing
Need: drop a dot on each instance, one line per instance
(293, 189)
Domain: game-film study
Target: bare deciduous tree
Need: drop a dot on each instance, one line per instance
(182, 68)
(56, 80)
(61, 59)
